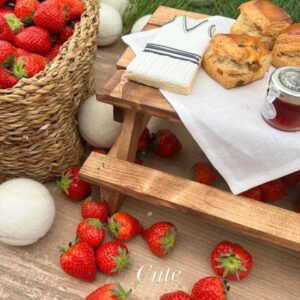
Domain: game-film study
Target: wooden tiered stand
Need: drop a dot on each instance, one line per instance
(134, 105)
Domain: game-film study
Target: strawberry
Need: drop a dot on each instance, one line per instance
(179, 295)
(165, 143)
(273, 190)
(6, 34)
(144, 141)
(79, 261)
(112, 258)
(54, 52)
(7, 54)
(254, 193)
(161, 238)
(210, 288)
(64, 35)
(5, 10)
(110, 291)
(138, 161)
(203, 173)
(28, 65)
(72, 8)
(124, 227)
(7, 80)
(231, 261)
(292, 179)
(2, 2)
(91, 231)
(25, 9)
(101, 151)
(34, 39)
(298, 208)
(74, 188)
(50, 16)
(21, 52)
(96, 210)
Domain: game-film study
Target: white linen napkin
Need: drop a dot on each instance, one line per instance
(228, 126)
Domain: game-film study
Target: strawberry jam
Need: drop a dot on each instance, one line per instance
(282, 105)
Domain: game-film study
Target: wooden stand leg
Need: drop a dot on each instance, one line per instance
(125, 149)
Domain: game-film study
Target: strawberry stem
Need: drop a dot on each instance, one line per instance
(169, 240)
(113, 227)
(231, 264)
(120, 293)
(65, 182)
(96, 223)
(122, 261)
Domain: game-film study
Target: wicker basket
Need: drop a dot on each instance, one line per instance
(39, 136)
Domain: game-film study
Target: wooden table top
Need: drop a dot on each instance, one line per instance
(34, 273)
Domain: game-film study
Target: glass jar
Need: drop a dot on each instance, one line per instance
(282, 104)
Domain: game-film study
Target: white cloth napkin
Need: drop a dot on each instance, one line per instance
(228, 126)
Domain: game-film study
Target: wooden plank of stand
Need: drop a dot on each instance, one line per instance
(125, 149)
(245, 215)
(121, 92)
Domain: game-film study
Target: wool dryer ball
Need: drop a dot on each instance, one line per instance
(27, 211)
(111, 25)
(119, 5)
(140, 23)
(97, 125)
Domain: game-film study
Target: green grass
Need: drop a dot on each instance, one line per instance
(228, 8)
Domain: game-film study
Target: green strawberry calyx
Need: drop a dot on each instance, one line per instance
(231, 264)
(65, 183)
(63, 250)
(96, 223)
(168, 241)
(9, 60)
(113, 227)
(121, 261)
(19, 68)
(14, 23)
(120, 293)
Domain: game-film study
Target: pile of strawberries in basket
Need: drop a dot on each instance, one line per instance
(31, 34)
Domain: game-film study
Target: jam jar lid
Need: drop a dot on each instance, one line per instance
(286, 81)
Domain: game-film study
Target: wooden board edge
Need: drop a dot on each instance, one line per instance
(107, 171)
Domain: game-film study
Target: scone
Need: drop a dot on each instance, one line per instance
(262, 19)
(236, 59)
(286, 51)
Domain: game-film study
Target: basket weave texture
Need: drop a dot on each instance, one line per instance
(39, 136)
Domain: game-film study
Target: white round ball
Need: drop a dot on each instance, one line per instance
(119, 5)
(96, 123)
(140, 23)
(111, 25)
(27, 211)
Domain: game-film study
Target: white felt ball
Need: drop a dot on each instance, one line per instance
(96, 123)
(119, 5)
(140, 23)
(27, 211)
(111, 25)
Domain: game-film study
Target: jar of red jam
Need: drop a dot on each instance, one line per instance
(282, 105)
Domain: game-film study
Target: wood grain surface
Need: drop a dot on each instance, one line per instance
(121, 92)
(33, 272)
(217, 206)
